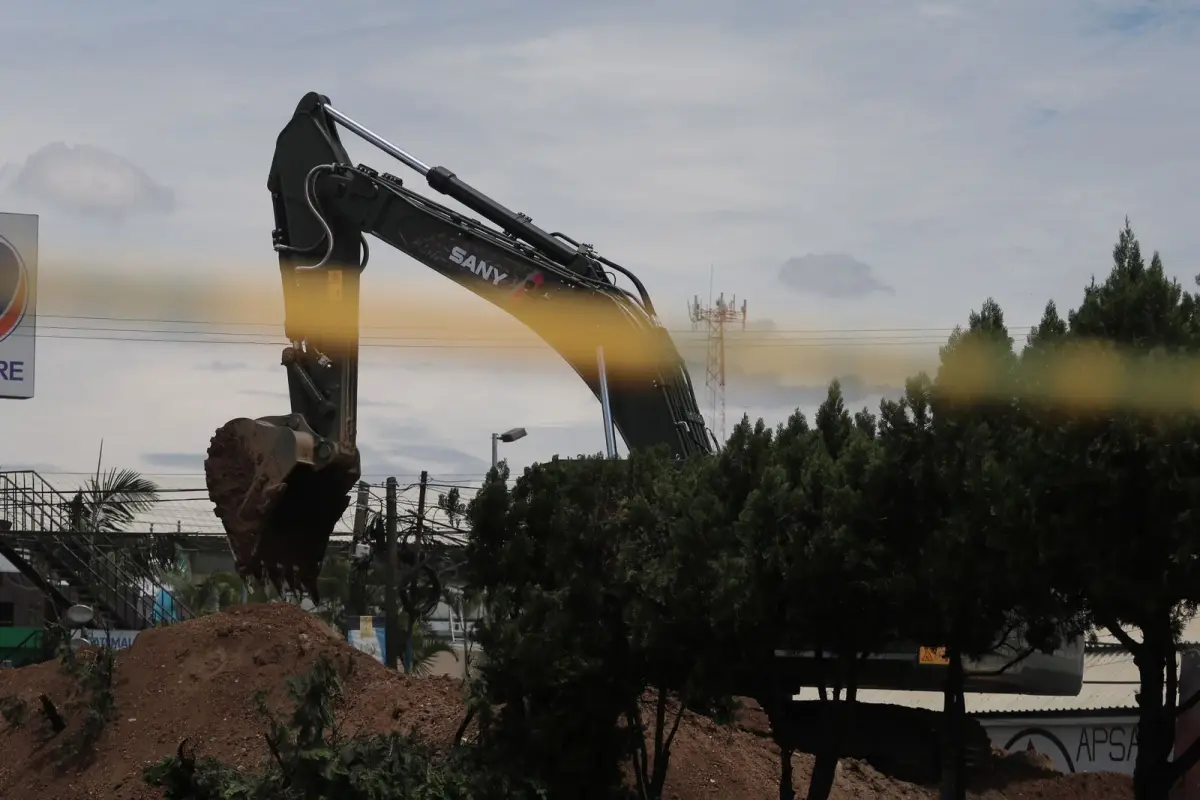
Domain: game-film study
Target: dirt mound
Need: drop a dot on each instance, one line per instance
(197, 681)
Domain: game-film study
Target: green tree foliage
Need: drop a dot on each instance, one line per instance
(208, 594)
(110, 502)
(599, 579)
(980, 577)
(997, 508)
(822, 577)
(453, 507)
(668, 573)
(556, 651)
(1119, 475)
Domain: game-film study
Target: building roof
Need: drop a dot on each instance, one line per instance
(1190, 635)
(1110, 682)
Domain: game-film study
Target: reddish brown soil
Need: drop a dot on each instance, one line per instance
(197, 681)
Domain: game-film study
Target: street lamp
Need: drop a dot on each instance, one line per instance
(507, 436)
(76, 618)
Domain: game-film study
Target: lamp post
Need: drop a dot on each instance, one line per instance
(507, 436)
(75, 619)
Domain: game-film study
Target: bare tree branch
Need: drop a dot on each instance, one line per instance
(1017, 659)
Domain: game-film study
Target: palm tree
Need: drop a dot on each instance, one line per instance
(454, 507)
(110, 503)
(334, 586)
(426, 647)
(208, 595)
(467, 607)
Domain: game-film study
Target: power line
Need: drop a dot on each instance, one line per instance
(785, 338)
(88, 492)
(148, 501)
(92, 473)
(682, 331)
(492, 344)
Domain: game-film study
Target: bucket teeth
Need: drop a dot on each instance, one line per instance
(277, 516)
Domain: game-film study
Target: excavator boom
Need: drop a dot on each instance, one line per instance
(281, 483)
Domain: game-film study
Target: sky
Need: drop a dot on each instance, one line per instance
(870, 170)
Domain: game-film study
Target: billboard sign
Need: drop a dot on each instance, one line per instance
(368, 635)
(116, 639)
(1073, 744)
(18, 303)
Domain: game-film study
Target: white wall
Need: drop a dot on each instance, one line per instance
(1075, 744)
(447, 624)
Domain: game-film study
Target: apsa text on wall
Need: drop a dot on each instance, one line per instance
(1074, 744)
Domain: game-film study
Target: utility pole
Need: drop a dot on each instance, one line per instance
(391, 591)
(419, 554)
(717, 318)
(421, 505)
(359, 567)
(360, 508)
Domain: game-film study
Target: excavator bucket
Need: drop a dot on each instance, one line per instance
(277, 507)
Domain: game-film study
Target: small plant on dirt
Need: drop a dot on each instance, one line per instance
(310, 757)
(92, 697)
(98, 702)
(185, 777)
(14, 710)
(69, 662)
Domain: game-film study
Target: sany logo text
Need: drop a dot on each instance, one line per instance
(481, 268)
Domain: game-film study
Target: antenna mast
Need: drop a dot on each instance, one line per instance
(716, 317)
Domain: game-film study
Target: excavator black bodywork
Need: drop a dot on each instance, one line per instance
(280, 484)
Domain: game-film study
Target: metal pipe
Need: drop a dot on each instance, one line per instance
(610, 433)
(391, 600)
(383, 144)
(495, 450)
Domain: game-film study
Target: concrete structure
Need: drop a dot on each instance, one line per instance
(22, 605)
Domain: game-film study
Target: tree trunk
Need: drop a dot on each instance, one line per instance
(838, 715)
(409, 630)
(775, 704)
(1155, 727)
(662, 741)
(787, 786)
(953, 779)
(824, 772)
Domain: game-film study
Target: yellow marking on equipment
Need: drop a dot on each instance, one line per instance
(933, 655)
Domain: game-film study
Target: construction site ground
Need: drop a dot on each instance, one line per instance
(197, 681)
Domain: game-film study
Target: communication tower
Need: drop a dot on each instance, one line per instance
(717, 317)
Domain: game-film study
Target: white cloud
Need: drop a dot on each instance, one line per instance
(833, 275)
(964, 150)
(89, 180)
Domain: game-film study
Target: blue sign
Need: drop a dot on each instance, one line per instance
(116, 639)
(359, 632)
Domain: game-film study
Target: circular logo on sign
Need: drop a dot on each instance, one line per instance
(1029, 740)
(14, 288)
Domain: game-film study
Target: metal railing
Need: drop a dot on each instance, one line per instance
(33, 646)
(40, 515)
